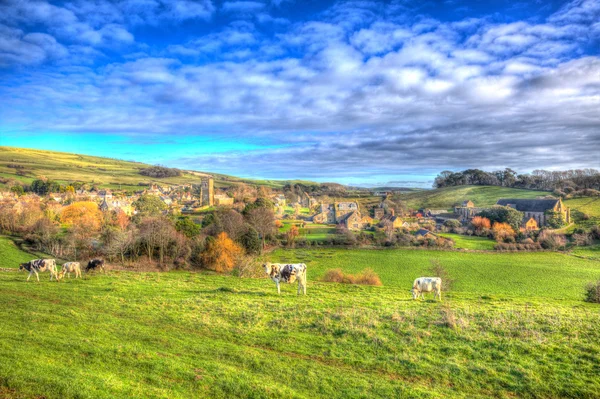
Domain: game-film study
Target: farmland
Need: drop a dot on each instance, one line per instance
(103, 172)
(514, 325)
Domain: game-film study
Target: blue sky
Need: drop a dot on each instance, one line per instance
(359, 92)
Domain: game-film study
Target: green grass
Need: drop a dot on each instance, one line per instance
(581, 206)
(503, 332)
(12, 256)
(448, 197)
(104, 172)
(470, 242)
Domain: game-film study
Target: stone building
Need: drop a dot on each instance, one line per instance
(467, 210)
(223, 200)
(537, 209)
(207, 191)
(338, 213)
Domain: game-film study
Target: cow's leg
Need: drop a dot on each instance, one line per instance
(28, 277)
(278, 289)
(37, 275)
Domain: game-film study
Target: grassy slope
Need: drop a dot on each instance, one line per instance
(12, 256)
(106, 172)
(446, 198)
(182, 335)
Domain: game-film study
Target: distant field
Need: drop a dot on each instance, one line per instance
(105, 172)
(482, 196)
(588, 206)
(514, 326)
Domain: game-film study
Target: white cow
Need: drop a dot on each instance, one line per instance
(288, 273)
(427, 284)
(70, 267)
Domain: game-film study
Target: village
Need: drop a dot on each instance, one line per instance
(302, 219)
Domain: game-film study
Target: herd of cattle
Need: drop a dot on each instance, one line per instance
(290, 272)
(278, 272)
(37, 266)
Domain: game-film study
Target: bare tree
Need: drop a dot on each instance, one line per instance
(263, 220)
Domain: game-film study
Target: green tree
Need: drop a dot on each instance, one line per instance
(17, 189)
(250, 240)
(149, 205)
(259, 203)
(187, 227)
(556, 220)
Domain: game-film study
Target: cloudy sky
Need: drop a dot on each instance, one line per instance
(349, 91)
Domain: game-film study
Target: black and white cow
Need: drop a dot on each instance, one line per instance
(95, 264)
(287, 273)
(38, 266)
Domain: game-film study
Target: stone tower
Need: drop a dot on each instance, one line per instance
(207, 191)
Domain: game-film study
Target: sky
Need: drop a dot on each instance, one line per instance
(357, 92)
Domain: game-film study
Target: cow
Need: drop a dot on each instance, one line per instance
(38, 266)
(287, 273)
(94, 264)
(427, 284)
(70, 267)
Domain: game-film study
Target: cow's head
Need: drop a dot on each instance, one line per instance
(267, 267)
(22, 266)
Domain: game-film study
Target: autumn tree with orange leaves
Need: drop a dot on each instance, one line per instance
(481, 223)
(84, 215)
(221, 254)
(502, 231)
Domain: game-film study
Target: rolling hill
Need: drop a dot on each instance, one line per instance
(26, 165)
(482, 196)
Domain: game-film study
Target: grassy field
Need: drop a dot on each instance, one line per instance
(514, 326)
(470, 242)
(482, 196)
(105, 172)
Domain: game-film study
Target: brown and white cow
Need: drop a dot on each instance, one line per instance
(70, 267)
(38, 266)
(427, 284)
(287, 273)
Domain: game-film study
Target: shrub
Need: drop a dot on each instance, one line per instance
(221, 254)
(366, 277)
(592, 292)
(550, 240)
(437, 270)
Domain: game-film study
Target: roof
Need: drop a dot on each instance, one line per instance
(423, 232)
(528, 205)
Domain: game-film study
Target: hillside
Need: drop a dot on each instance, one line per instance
(446, 198)
(105, 172)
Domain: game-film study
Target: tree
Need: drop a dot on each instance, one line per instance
(251, 241)
(17, 189)
(480, 223)
(502, 231)
(83, 214)
(259, 203)
(555, 220)
(263, 220)
(503, 214)
(221, 253)
(156, 233)
(187, 227)
(291, 235)
(149, 205)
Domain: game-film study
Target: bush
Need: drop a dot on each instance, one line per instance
(437, 270)
(550, 240)
(592, 292)
(366, 277)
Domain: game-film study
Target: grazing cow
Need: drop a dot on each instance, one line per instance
(427, 284)
(70, 267)
(288, 273)
(38, 266)
(94, 264)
